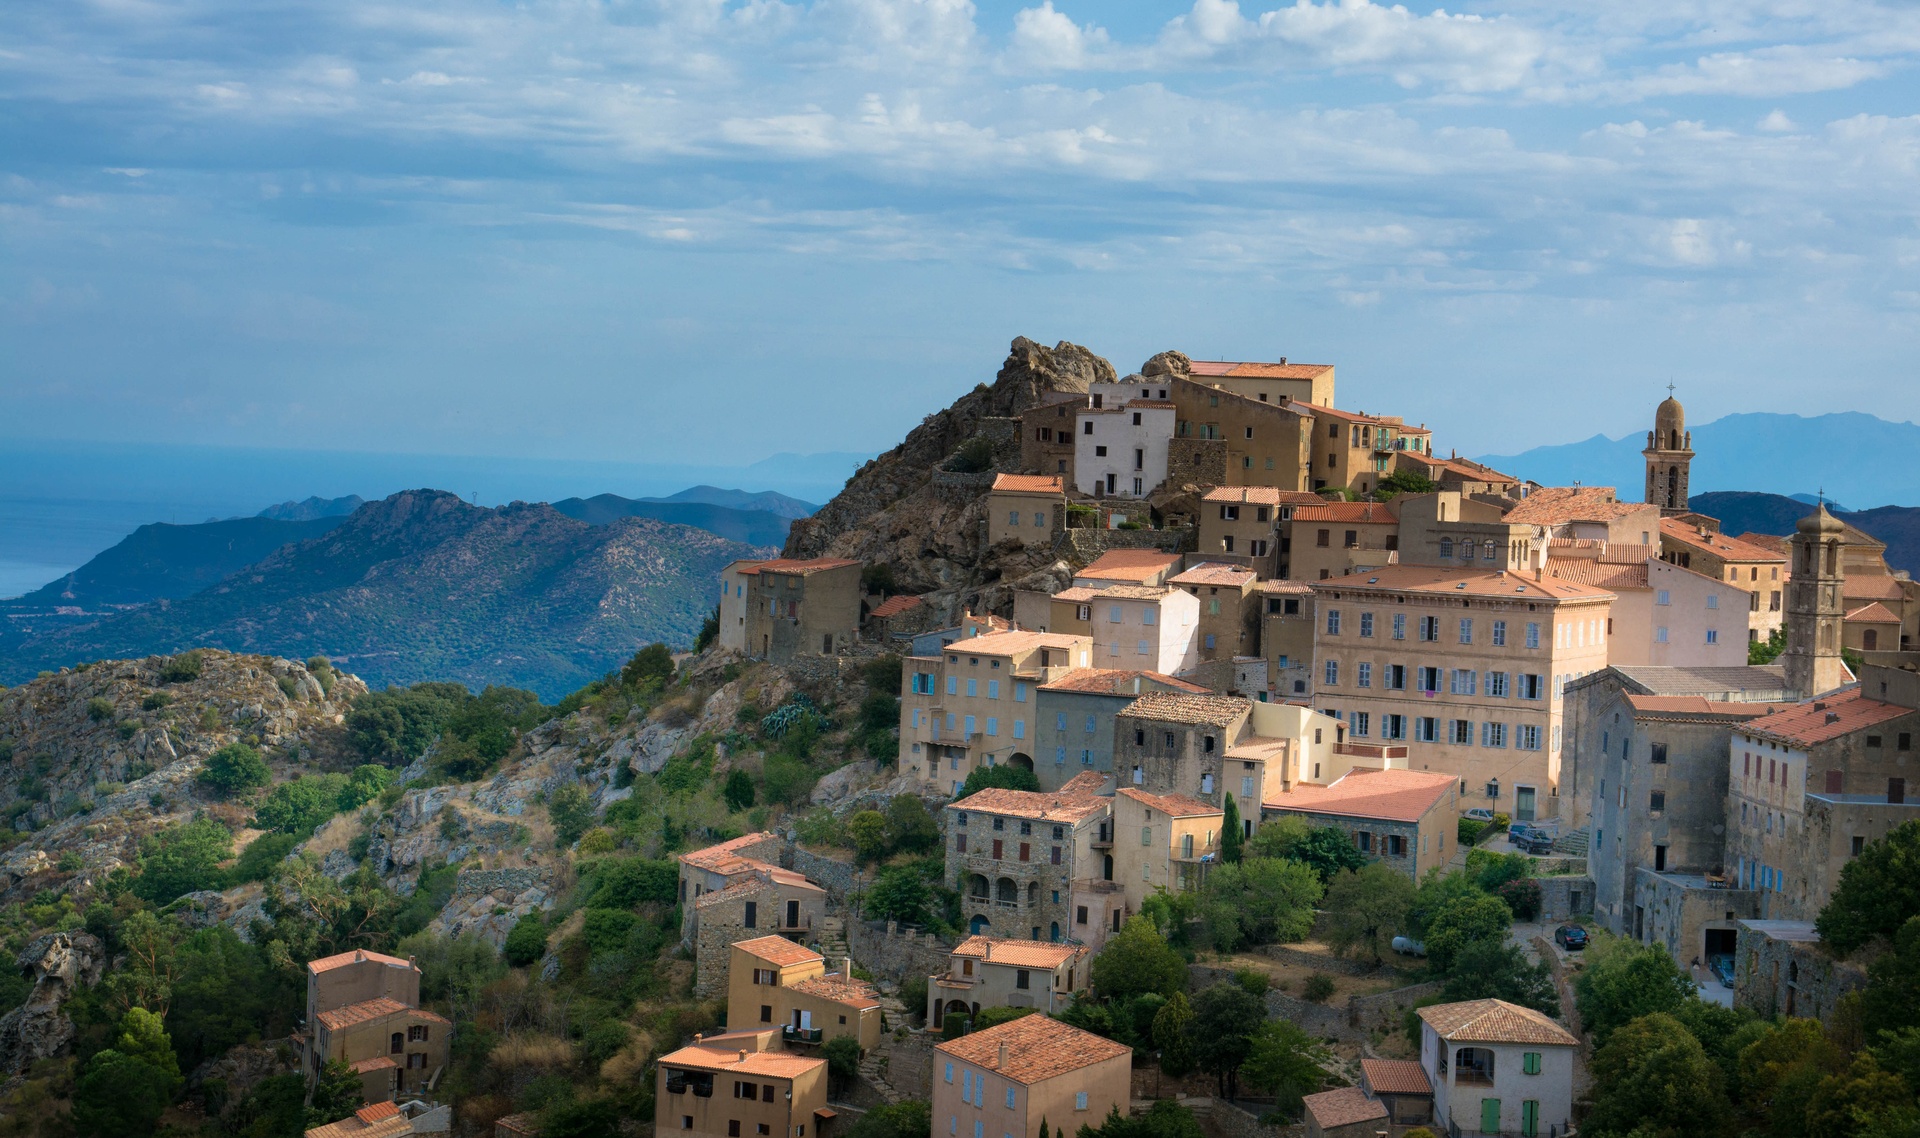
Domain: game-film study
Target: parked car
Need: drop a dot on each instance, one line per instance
(1723, 968)
(1479, 814)
(1407, 946)
(1573, 938)
(1536, 843)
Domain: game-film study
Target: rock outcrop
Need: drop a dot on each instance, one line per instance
(39, 1029)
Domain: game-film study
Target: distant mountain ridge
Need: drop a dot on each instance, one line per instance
(767, 500)
(1759, 451)
(421, 585)
(755, 527)
(169, 561)
(312, 508)
(1745, 512)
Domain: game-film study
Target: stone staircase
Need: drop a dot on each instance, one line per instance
(833, 940)
(1573, 844)
(875, 1064)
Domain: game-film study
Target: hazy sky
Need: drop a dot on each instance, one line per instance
(672, 229)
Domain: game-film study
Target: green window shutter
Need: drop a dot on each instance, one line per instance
(1530, 1063)
(1529, 1118)
(1490, 1115)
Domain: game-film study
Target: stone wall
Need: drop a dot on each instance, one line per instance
(1317, 1020)
(896, 954)
(1085, 545)
(1221, 1119)
(489, 902)
(1780, 968)
(962, 487)
(1324, 962)
(1385, 1010)
(1202, 462)
(910, 1065)
(838, 878)
(1564, 898)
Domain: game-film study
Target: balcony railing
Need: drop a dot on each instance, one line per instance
(800, 1034)
(1371, 750)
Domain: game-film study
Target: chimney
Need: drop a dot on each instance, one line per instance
(743, 1055)
(697, 1036)
(848, 962)
(1003, 1056)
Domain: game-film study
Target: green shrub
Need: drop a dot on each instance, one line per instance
(606, 930)
(1469, 831)
(261, 857)
(738, 791)
(975, 456)
(301, 806)
(155, 701)
(653, 663)
(1317, 988)
(321, 669)
(184, 859)
(99, 709)
(527, 942)
(127, 728)
(1253, 980)
(182, 669)
(234, 768)
(571, 811)
(289, 687)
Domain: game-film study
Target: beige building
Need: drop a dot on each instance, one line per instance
(1257, 439)
(974, 704)
(1128, 567)
(1005, 1081)
(774, 983)
(1354, 452)
(1248, 524)
(363, 1009)
(1450, 529)
(1275, 383)
(1463, 667)
(1046, 434)
(1460, 475)
(1027, 509)
(1758, 571)
(1016, 857)
(1662, 615)
(1338, 538)
(1405, 818)
(1589, 513)
(1162, 841)
(1150, 627)
(1228, 619)
(998, 972)
(1286, 638)
(741, 1084)
(798, 607)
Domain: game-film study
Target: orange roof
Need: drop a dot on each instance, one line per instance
(357, 956)
(1372, 513)
(361, 1012)
(1012, 643)
(1552, 505)
(1136, 565)
(1721, 546)
(839, 989)
(1465, 469)
(1861, 586)
(1395, 1077)
(526, 1122)
(894, 606)
(1038, 1047)
(1182, 707)
(380, 1063)
(1687, 705)
(1394, 795)
(1027, 484)
(1453, 582)
(1262, 496)
(1113, 681)
(374, 1112)
(1216, 573)
(765, 877)
(718, 856)
(1346, 1106)
(1273, 586)
(1495, 1021)
(778, 950)
(1017, 953)
(707, 1056)
(1600, 574)
(1768, 541)
(798, 565)
(1078, 593)
(1036, 805)
(1172, 805)
(1822, 720)
(1135, 592)
(1350, 416)
(379, 1120)
(1875, 613)
(1247, 369)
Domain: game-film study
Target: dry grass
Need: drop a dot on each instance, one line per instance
(1291, 978)
(532, 1050)
(335, 835)
(630, 1062)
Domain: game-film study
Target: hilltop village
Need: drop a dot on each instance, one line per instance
(1145, 756)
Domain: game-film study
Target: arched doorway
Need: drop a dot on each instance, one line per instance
(1006, 891)
(1022, 761)
(979, 924)
(950, 1008)
(1106, 868)
(977, 887)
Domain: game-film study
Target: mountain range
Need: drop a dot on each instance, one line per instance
(1744, 512)
(753, 526)
(419, 585)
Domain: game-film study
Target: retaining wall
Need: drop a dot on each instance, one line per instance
(1386, 1010)
(838, 878)
(896, 954)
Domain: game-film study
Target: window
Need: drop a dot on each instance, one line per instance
(1321, 538)
(949, 1072)
(752, 915)
(1430, 628)
(1660, 635)
(1333, 673)
(1021, 979)
(417, 1033)
(1527, 737)
(1663, 597)
(1359, 723)
(1493, 734)
(1366, 624)
(1426, 729)
(1466, 630)
(1497, 686)
(1393, 726)
(1333, 622)
(1530, 1063)
(1399, 626)
(1100, 452)
(1363, 673)
(1429, 679)
(1657, 753)
(1533, 634)
(1113, 614)
(993, 689)
(1657, 801)
(1531, 684)
(733, 1128)
(1462, 681)
(1460, 733)
(1394, 677)
(1080, 1100)
(1499, 634)
(1713, 636)
(1713, 602)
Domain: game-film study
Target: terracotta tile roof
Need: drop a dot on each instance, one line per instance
(1086, 784)
(1034, 805)
(1495, 1021)
(1134, 592)
(778, 951)
(1769, 541)
(1875, 613)
(839, 989)
(379, 1120)
(1694, 705)
(1395, 1077)
(1453, 582)
(1553, 505)
(1347, 416)
(1013, 643)
(1247, 369)
(1344, 1107)
(1465, 469)
(1181, 707)
(526, 1122)
(357, 956)
(1027, 484)
(894, 606)
(1262, 496)
(1766, 678)
(374, 1112)
(1038, 1048)
(1017, 953)
(1078, 593)
(764, 879)
(1394, 795)
(800, 566)
(716, 856)
(1271, 586)
(1822, 720)
(703, 1056)
(1371, 513)
(1135, 565)
(380, 1063)
(361, 1012)
(1721, 546)
(1172, 805)
(1216, 573)
(1861, 587)
(1600, 574)
(1114, 681)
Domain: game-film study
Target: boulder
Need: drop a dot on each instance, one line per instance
(39, 1029)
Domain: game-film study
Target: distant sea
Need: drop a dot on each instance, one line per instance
(62, 503)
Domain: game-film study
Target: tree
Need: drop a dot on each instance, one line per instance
(1845, 1102)
(1403, 482)
(1278, 837)
(1138, 959)
(527, 942)
(185, 859)
(1492, 969)
(1780, 1070)
(301, 806)
(1763, 652)
(867, 830)
(1651, 1079)
(120, 1096)
(571, 811)
(1437, 890)
(1365, 908)
(1891, 1000)
(146, 978)
(910, 828)
(842, 1054)
(1462, 922)
(223, 993)
(1259, 901)
(652, 663)
(337, 1093)
(628, 882)
(144, 1037)
(1285, 1063)
(709, 632)
(994, 1017)
(1328, 850)
(1225, 1019)
(912, 1118)
(738, 792)
(1879, 892)
(1166, 1119)
(1230, 840)
(1170, 1035)
(1623, 981)
(234, 768)
(1002, 776)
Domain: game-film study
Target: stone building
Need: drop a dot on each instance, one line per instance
(1273, 383)
(1211, 746)
(766, 899)
(737, 1084)
(1228, 624)
(1405, 818)
(998, 972)
(1338, 538)
(1354, 451)
(1669, 458)
(798, 607)
(1758, 571)
(1028, 509)
(1015, 856)
(1286, 638)
(1816, 606)
(1249, 525)
(1695, 917)
(1075, 714)
(1046, 434)
(1162, 841)
(975, 703)
(1452, 529)
(1265, 435)
(1009, 1079)
(363, 1009)
(774, 983)
(713, 868)
(1781, 969)
(1460, 475)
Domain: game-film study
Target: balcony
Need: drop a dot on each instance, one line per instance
(1197, 856)
(1371, 750)
(793, 1034)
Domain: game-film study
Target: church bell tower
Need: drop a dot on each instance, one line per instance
(1669, 454)
(1815, 610)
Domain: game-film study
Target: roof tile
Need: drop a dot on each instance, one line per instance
(1495, 1021)
(1343, 1107)
(778, 950)
(1181, 707)
(1017, 953)
(1038, 1047)
(1396, 795)
(1395, 1077)
(1135, 565)
(1027, 484)
(1823, 720)
(1172, 805)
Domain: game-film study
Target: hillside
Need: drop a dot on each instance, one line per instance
(754, 527)
(768, 500)
(1745, 512)
(424, 586)
(1765, 452)
(314, 507)
(170, 561)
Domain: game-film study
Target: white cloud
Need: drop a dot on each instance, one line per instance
(1776, 122)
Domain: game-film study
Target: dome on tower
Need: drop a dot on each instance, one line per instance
(1670, 419)
(1821, 524)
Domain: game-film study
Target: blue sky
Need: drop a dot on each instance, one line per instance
(665, 230)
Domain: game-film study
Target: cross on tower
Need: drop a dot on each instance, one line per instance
(1669, 387)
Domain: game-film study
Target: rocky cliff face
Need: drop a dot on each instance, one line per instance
(99, 758)
(932, 536)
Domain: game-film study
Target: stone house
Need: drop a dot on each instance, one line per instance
(1497, 1068)
(974, 704)
(733, 605)
(1334, 539)
(1248, 524)
(799, 607)
(1162, 841)
(1872, 627)
(998, 972)
(1780, 969)
(741, 1084)
(774, 983)
(1695, 917)
(1228, 623)
(363, 1009)
(1008, 1079)
(1286, 638)
(1075, 711)
(766, 899)
(1046, 434)
(1460, 475)
(1450, 528)
(1027, 509)
(898, 618)
(1758, 571)
(1264, 433)
(1589, 513)
(1277, 384)
(1354, 452)
(713, 868)
(1016, 857)
(1402, 817)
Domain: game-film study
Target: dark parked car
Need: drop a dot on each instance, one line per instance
(1571, 937)
(1723, 968)
(1536, 843)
